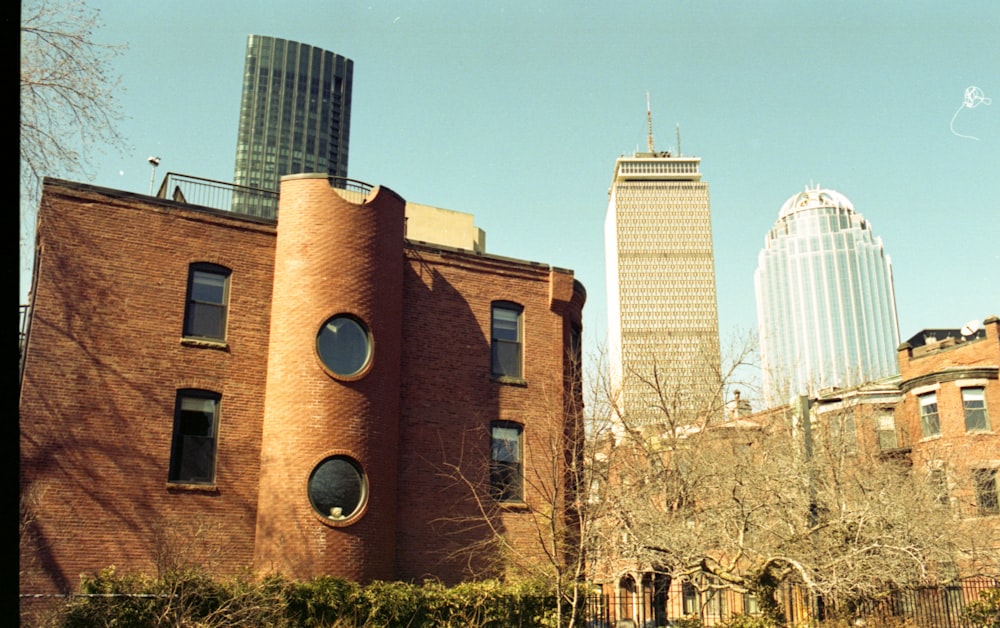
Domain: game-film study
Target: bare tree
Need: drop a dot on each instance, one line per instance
(552, 518)
(69, 102)
(745, 503)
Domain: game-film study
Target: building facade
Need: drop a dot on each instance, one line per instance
(826, 308)
(934, 423)
(315, 396)
(950, 409)
(663, 326)
(295, 116)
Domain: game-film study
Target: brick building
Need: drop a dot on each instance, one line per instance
(950, 409)
(938, 418)
(314, 396)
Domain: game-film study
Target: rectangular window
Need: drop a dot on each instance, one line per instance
(844, 434)
(930, 424)
(885, 427)
(506, 462)
(207, 301)
(196, 425)
(689, 599)
(507, 335)
(986, 491)
(938, 480)
(974, 402)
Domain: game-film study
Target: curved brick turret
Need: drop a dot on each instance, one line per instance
(333, 256)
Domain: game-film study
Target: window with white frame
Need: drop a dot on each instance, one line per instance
(930, 423)
(885, 428)
(974, 403)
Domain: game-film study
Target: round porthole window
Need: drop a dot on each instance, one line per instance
(337, 488)
(344, 345)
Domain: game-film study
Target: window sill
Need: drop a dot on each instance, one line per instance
(181, 487)
(517, 506)
(509, 381)
(930, 438)
(205, 343)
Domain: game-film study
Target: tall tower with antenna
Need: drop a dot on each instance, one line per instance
(663, 329)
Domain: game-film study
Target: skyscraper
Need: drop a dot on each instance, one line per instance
(826, 308)
(295, 117)
(663, 326)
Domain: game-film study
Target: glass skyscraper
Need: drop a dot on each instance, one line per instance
(663, 326)
(295, 117)
(826, 308)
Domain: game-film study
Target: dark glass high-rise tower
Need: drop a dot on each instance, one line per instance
(295, 117)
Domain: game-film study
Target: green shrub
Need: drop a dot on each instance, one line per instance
(751, 621)
(192, 598)
(688, 622)
(985, 613)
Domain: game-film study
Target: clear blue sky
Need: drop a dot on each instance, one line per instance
(516, 111)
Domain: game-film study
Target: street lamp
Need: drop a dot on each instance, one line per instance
(154, 161)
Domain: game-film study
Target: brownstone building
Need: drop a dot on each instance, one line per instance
(316, 395)
(937, 421)
(950, 408)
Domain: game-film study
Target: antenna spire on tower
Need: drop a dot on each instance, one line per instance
(649, 122)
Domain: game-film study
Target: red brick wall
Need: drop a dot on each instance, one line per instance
(945, 370)
(332, 257)
(449, 402)
(105, 360)
(104, 363)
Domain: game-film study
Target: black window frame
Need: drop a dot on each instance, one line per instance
(500, 346)
(506, 476)
(192, 305)
(183, 443)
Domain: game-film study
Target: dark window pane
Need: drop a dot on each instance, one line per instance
(205, 315)
(343, 345)
(986, 491)
(337, 488)
(205, 321)
(506, 337)
(506, 359)
(208, 287)
(506, 470)
(195, 427)
(505, 324)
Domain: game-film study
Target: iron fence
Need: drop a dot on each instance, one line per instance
(920, 607)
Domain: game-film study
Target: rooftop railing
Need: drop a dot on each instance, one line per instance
(242, 199)
(218, 195)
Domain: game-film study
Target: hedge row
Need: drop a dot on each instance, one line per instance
(191, 598)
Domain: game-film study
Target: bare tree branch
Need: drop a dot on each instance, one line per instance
(69, 104)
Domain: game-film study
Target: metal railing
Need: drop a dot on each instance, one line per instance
(922, 607)
(219, 195)
(242, 199)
